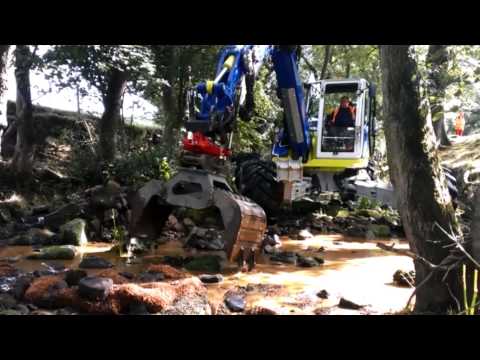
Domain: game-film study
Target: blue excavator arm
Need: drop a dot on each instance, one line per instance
(220, 98)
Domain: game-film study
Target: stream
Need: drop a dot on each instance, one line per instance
(354, 269)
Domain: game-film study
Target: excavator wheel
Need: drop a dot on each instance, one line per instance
(256, 179)
(451, 184)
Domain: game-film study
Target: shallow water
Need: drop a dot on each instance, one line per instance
(354, 269)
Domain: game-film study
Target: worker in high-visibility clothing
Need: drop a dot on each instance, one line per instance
(345, 114)
(460, 124)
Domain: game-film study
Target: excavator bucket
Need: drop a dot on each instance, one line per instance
(244, 221)
(149, 211)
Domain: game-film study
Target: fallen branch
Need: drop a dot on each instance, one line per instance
(406, 253)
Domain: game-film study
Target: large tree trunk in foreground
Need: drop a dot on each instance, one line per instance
(23, 157)
(437, 62)
(112, 102)
(3, 83)
(419, 182)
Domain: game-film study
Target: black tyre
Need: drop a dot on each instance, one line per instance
(256, 179)
(451, 184)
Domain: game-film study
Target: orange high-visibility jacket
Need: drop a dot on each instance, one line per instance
(460, 122)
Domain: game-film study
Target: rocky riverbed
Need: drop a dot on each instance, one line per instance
(77, 258)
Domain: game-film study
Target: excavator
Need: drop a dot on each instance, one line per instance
(311, 155)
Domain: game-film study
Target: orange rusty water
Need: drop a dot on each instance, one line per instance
(354, 269)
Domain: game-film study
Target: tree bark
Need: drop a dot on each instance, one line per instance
(23, 158)
(108, 132)
(3, 83)
(326, 60)
(172, 104)
(420, 186)
(437, 63)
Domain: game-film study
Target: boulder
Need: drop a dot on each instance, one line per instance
(7, 301)
(21, 285)
(323, 294)
(189, 306)
(168, 272)
(44, 291)
(235, 303)
(61, 252)
(73, 277)
(261, 310)
(146, 277)
(94, 262)
(378, 231)
(95, 288)
(285, 257)
(33, 236)
(117, 278)
(210, 279)
(347, 304)
(305, 261)
(73, 233)
(105, 197)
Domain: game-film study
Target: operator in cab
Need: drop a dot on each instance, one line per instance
(344, 115)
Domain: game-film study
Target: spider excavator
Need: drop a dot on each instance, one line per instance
(313, 154)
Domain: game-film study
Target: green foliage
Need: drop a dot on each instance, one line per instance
(257, 134)
(68, 65)
(140, 166)
(470, 309)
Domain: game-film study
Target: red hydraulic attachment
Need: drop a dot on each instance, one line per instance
(200, 144)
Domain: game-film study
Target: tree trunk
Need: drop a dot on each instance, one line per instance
(416, 175)
(326, 61)
(171, 104)
(110, 120)
(3, 83)
(23, 157)
(437, 63)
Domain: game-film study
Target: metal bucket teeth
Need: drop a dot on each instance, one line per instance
(244, 221)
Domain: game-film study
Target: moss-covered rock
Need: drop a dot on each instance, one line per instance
(371, 213)
(63, 252)
(33, 237)
(378, 231)
(73, 232)
(343, 213)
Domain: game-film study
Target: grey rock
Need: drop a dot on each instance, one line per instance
(21, 286)
(95, 288)
(94, 262)
(304, 261)
(323, 294)
(146, 277)
(73, 277)
(347, 304)
(210, 279)
(285, 257)
(23, 309)
(73, 232)
(7, 301)
(235, 303)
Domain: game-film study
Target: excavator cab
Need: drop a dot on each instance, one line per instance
(344, 122)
